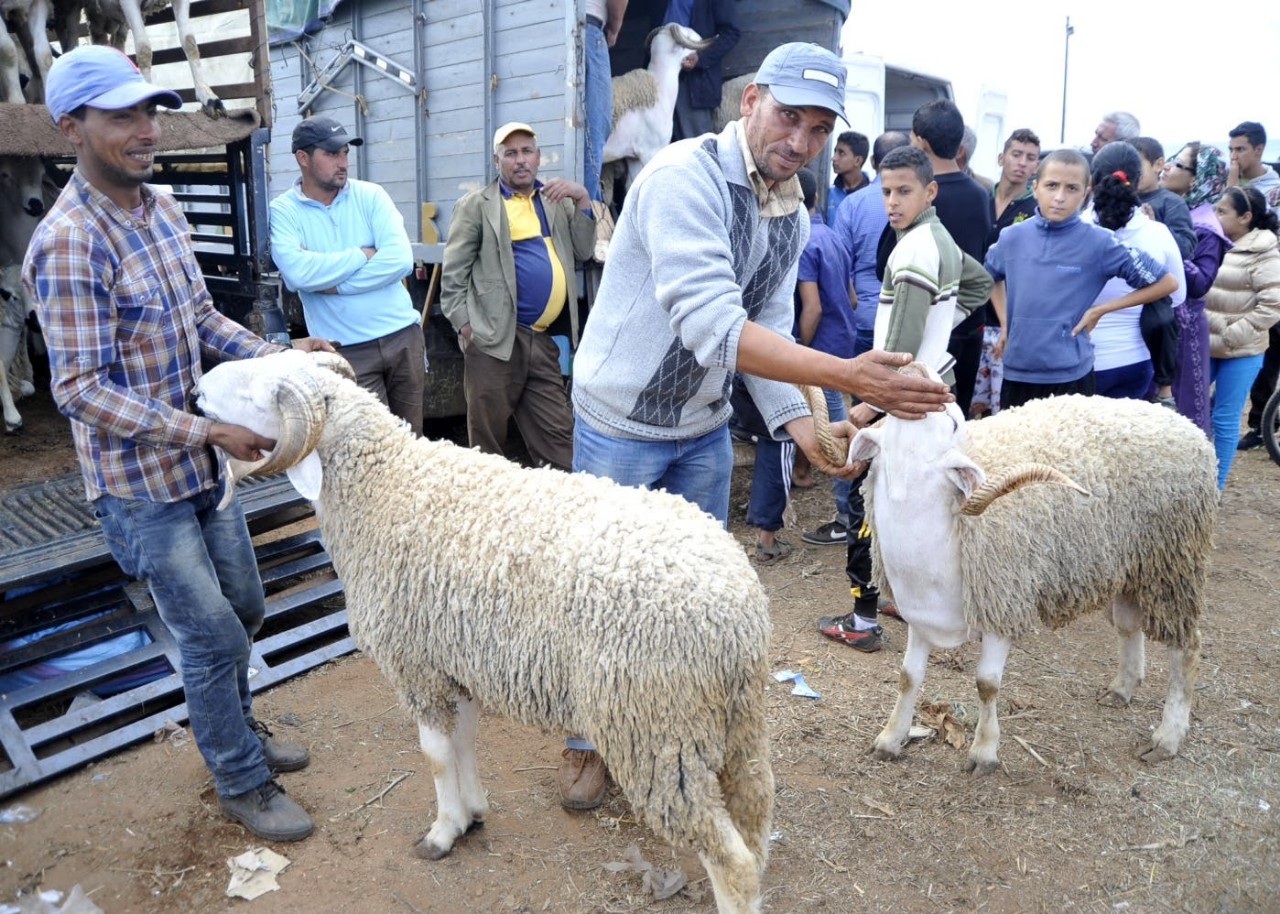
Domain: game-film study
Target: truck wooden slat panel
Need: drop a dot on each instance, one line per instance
(226, 93)
(200, 8)
(209, 50)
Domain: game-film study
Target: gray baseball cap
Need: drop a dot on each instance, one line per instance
(802, 75)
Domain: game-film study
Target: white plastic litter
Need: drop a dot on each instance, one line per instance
(18, 815)
(254, 872)
(799, 687)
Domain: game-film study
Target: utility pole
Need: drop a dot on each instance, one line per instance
(1066, 57)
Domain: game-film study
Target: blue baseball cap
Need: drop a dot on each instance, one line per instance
(100, 77)
(801, 75)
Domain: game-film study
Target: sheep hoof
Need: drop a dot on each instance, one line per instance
(1155, 754)
(425, 849)
(476, 824)
(1114, 699)
(981, 767)
(884, 753)
(13, 429)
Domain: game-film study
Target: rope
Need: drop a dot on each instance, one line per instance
(836, 452)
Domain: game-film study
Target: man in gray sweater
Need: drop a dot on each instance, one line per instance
(699, 283)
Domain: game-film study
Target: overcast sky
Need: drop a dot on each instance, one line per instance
(1182, 75)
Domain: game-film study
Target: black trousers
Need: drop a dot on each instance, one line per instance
(857, 563)
(1266, 380)
(1160, 332)
(1016, 393)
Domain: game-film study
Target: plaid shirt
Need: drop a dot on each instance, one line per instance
(126, 316)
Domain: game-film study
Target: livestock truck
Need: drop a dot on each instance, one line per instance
(427, 83)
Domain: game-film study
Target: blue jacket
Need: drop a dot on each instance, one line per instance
(1053, 273)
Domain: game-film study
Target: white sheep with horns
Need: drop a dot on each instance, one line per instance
(644, 102)
(563, 601)
(968, 558)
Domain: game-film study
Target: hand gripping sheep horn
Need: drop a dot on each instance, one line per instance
(1125, 524)
(444, 551)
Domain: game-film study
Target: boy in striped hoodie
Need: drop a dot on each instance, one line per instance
(930, 285)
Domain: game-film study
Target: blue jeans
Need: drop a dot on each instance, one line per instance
(864, 341)
(598, 105)
(200, 567)
(770, 483)
(1232, 379)
(837, 412)
(697, 469)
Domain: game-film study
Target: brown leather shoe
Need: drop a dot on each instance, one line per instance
(582, 779)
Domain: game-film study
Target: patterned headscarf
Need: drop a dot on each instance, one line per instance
(1211, 177)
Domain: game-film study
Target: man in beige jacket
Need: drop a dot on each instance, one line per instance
(508, 287)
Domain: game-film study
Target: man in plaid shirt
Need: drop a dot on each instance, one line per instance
(127, 316)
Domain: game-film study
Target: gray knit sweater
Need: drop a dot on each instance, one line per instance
(690, 262)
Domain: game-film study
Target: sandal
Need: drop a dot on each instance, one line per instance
(767, 555)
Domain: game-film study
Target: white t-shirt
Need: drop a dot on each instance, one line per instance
(596, 8)
(1117, 340)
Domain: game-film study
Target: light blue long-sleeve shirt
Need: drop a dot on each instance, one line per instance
(318, 247)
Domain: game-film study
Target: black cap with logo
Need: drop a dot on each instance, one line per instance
(328, 134)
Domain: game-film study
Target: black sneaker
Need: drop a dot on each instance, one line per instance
(280, 756)
(1252, 439)
(829, 534)
(844, 630)
(268, 813)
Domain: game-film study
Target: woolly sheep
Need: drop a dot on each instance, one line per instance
(1139, 542)
(563, 601)
(15, 365)
(730, 108)
(644, 102)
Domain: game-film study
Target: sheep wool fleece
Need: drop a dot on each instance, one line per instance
(692, 259)
(442, 562)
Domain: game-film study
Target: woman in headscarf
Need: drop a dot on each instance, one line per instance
(1197, 173)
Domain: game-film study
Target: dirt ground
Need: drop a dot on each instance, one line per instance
(1073, 823)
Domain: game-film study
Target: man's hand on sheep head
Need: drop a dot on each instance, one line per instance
(313, 344)
(874, 378)
(240, 442)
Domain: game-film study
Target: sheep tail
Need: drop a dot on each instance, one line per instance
(1026, 474)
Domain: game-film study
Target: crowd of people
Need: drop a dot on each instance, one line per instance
(1120, 273)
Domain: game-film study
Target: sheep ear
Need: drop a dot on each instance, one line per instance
(306, 476)
(966, 474)
(865, 444)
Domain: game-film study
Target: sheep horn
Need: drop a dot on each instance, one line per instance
(1023, 475)
(678, 39)
(302, 410)
(334, 362)
(696, 45)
